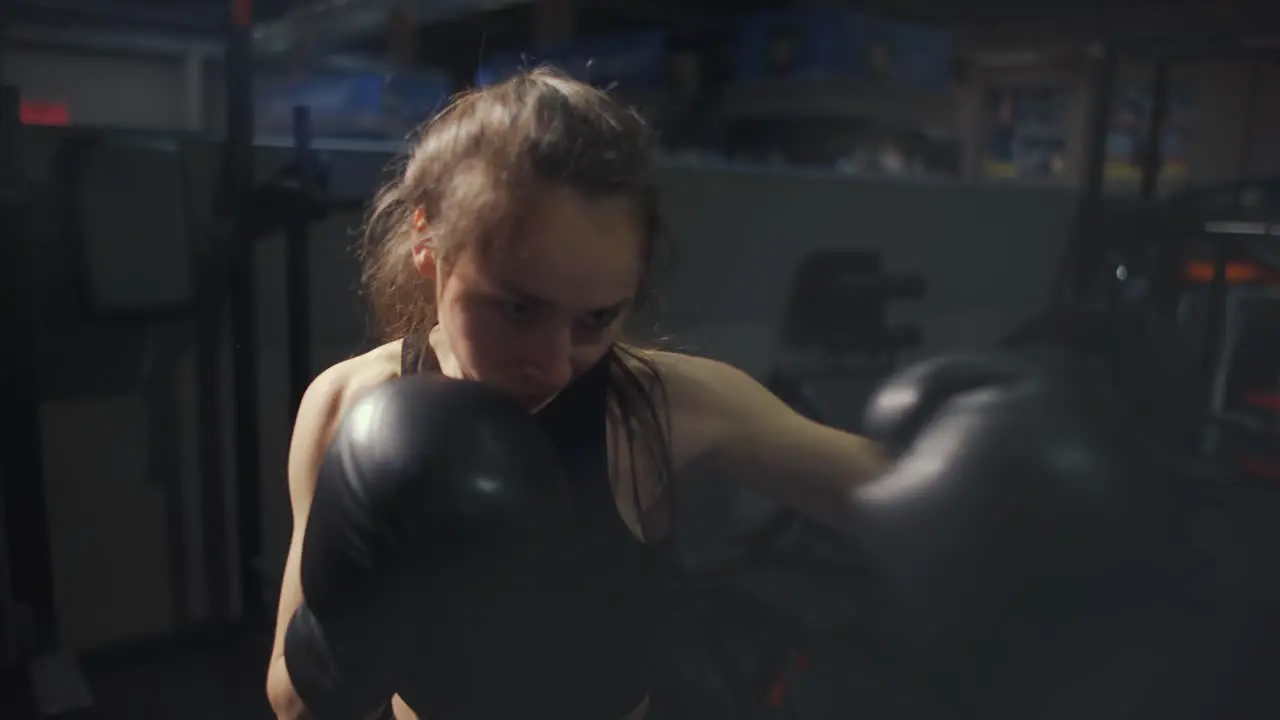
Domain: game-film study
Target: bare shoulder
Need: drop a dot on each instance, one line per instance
(323, 405)
(362, 372)
(688, 378)
(341, 384)
(700, 396)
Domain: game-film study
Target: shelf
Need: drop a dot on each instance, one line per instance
(842, 99)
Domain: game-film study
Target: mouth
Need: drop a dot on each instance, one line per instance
(535, 401)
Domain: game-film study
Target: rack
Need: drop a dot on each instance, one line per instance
(1115, 240)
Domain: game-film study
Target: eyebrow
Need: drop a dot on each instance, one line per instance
(509, 288)
(616, 306)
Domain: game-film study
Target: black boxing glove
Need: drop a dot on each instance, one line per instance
(1020, 520)
(434, 497)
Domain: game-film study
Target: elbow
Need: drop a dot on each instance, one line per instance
(284, 700)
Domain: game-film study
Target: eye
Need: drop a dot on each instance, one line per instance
(601, 319)
(516, 309)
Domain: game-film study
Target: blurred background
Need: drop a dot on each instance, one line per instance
(907, 88)
(183, 179)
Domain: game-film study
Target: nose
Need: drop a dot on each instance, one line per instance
(550, 366)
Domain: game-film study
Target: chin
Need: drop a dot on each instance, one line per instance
(529, 399)
(532, 402)
(535, 406)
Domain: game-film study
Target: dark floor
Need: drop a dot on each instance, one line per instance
(213, 677)
(1218, 665)
(1178, 675)
(226, 679)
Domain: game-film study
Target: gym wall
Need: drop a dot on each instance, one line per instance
(987, 252)
(106, 89)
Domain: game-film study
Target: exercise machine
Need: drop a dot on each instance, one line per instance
(835, 331)
(1157, 273)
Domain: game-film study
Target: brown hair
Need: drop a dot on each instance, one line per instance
(473, 170)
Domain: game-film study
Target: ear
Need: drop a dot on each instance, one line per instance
(424, 260)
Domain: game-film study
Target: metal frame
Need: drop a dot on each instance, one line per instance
(25, 520)
(238, 179)
(1218, 384)
(298, 273)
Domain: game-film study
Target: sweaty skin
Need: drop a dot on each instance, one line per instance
(720, 417)
(322, 407)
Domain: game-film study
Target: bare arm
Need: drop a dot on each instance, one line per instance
(318, 415)
(725, 418)
(319, 412)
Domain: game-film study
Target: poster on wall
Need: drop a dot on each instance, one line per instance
(1127, 137)
(1027, 137)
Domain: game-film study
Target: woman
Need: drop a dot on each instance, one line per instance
(512, 250)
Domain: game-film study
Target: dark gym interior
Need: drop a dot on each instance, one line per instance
(849, 186)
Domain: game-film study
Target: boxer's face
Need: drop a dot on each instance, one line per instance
(545, 307)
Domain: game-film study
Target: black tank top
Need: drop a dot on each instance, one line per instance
(604, 668)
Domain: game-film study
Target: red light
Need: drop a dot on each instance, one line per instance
(1267, 468)
(242, 13)
(1263, 400)
(44, 112)
(1237, 272)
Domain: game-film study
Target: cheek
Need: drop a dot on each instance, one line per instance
(465, 333)
(583, 359)
(588, 351)
(478, 340)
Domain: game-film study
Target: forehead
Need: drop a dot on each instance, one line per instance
(573, 251)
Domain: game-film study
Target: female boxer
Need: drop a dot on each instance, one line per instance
(512, 249)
